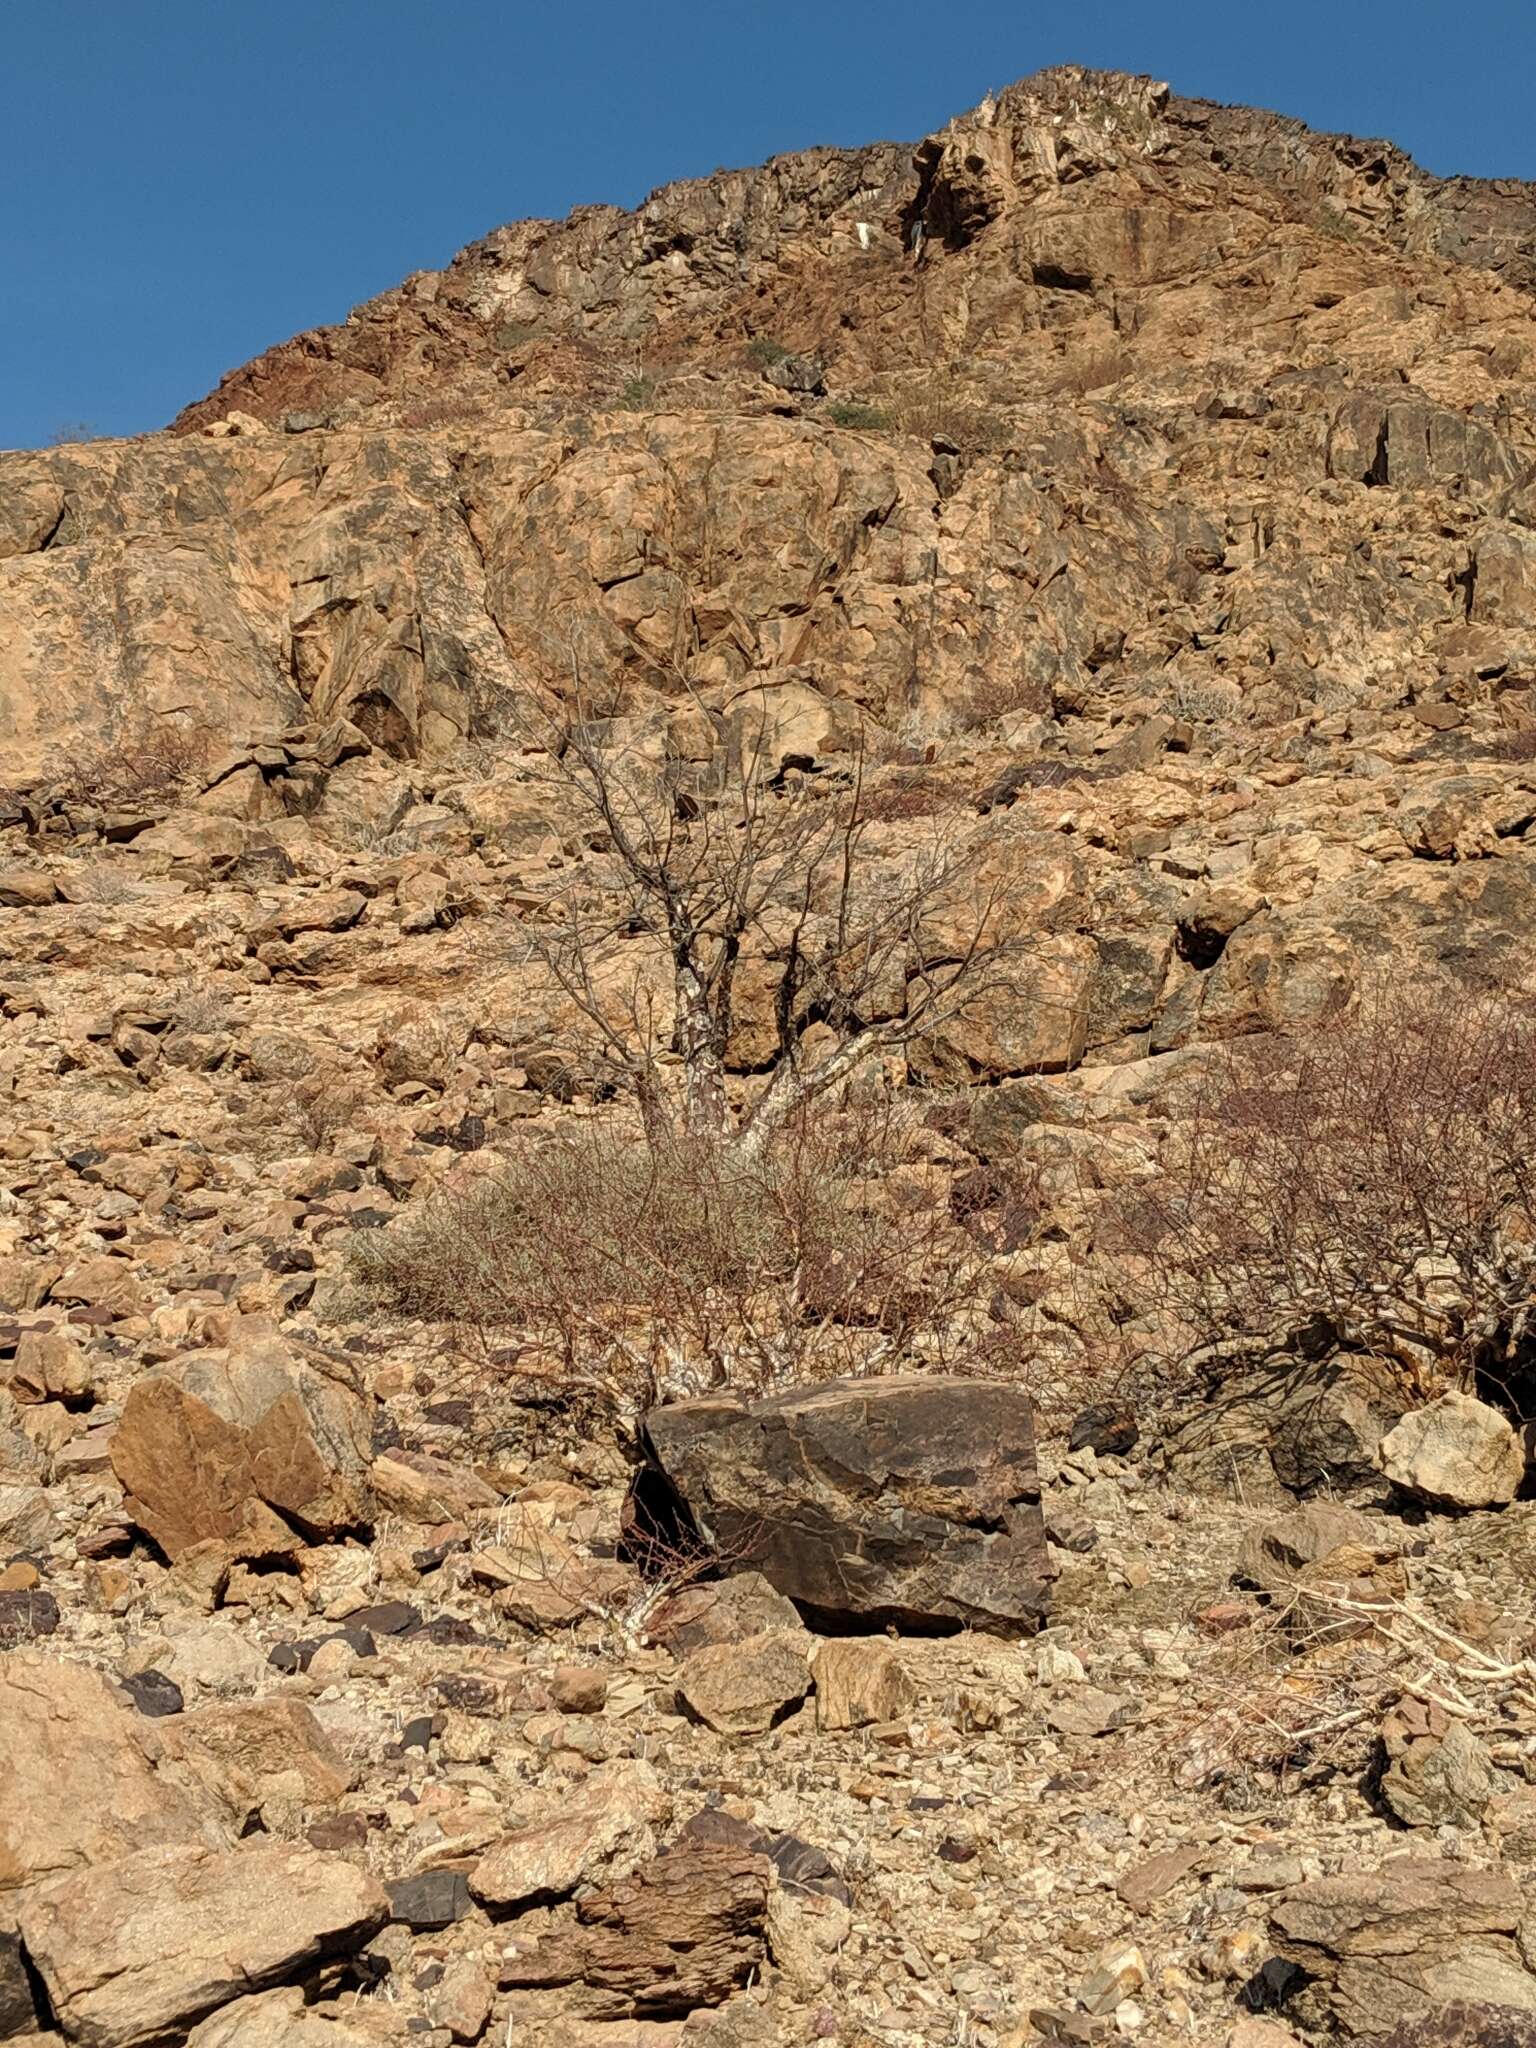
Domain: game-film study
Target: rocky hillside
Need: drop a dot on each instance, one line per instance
(1136, 492)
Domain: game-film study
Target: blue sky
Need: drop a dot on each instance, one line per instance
(188, 181)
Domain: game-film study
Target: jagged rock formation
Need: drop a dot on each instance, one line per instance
(1169, 407)
(1154, 478)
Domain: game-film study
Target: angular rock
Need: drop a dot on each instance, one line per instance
(743, 1688)
(245, 1742)
(232, 1445)
(1437, 1771)
(859, 1680)
(85, 1779)
(421, 1488)
(1458, 1452)
(132, 1950)
(720, 1611)
(1386, 1946)
(277, 2019)
(605, 1827)
(27, 1520)
(913, 1502)
(430, 1901)
(685, 1931)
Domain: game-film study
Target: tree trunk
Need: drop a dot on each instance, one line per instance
(706, 1109)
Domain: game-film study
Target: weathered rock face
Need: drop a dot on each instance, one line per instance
(232, 1446)
(685, 1931)
(913, 1501)
(131, 1951)
(603, 1830)
(86, 1780)
(1171, 454)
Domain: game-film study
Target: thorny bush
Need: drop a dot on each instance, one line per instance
(1368, 1188)
(633, 1273)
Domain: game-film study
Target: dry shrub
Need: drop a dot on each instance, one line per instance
(322, 1103)
(1368, 1188)
(152, 765)
(638, 1272)
(940, 408)
(995, 695)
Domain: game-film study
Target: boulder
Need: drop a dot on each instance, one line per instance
(243, 1445)
(86, 1779)
(133, 1950)
(277, 2019)
(911, 1502)
(1437, 1771)
(744, 1688)
(686, 1930)
(1387, 1946)
(1457, 1453)
(603, 1828)
(421, 1488)
(859, 1680)
(243, 1743)
(719, 1611)
(1277, 1554)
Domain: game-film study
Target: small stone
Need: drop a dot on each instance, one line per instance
(430, 1901)
(1090, 1712)
(154, 1694)
(578, 1688)
(1145, 1883)
(1117, 1972)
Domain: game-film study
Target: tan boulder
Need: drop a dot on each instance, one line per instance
(133, 1950)
(224, 1443)
(859, 1679)
(245, 1743)
(422, 1488)
(743, 1688)
(278, 2019)
(606, 1827)
(85, 1780)
(1458, 1452)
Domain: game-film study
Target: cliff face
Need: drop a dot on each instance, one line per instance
(1107, 432)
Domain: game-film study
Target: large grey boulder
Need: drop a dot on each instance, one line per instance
(909, 1502)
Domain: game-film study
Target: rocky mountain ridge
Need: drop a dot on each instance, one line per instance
(1151, 480)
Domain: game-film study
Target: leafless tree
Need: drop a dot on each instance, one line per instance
(743, 862)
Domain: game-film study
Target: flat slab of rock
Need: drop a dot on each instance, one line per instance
(133, 1950)
(1386, 1946)
(1457, 1452)
(908, 1502)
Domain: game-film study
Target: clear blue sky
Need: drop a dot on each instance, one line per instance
(188, 181)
